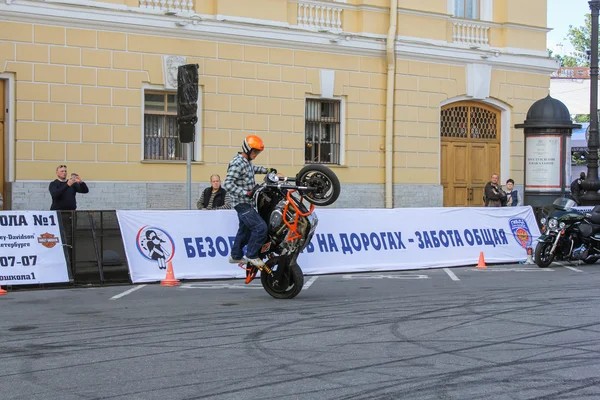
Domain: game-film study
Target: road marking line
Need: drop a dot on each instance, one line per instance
(125, 293)
(573, 269)
(310, 282)
(208, 285)
(451, 275)
(399, 276)
(511, 269)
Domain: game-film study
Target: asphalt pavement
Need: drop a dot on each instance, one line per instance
(504, 332)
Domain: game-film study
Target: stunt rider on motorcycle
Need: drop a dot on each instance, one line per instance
(239, 183)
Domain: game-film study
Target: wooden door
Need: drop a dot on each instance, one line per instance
(2, 142)
(470, 152)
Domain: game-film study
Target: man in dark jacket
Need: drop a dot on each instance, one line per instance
(494, 195)
(63, 190)
(214, 197)
(577, 189)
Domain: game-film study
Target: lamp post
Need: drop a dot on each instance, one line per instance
(591, 183)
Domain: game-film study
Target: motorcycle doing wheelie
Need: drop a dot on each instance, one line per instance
(291, 224)
(568, 234)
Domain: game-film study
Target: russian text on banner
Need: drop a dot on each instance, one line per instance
(198, 243)
(31, 250)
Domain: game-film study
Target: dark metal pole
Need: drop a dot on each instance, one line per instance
(591, 183)
(189, 176)
(563, 170)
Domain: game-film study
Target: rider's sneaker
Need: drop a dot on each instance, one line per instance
(257, 262)
(240, 261)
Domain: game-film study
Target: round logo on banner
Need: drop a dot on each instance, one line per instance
(155, 244)
(521, 232)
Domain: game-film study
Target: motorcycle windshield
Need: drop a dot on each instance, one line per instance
(563, 203)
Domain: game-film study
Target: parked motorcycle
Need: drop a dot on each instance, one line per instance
(568, 234)
(291, 224)
(589, 231)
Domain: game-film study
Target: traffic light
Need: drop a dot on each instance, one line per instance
(187, 101)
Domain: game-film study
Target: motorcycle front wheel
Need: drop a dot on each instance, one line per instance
(324, 181)
(288, 288)
(543, 258)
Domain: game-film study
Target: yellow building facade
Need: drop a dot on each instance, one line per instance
(412, 103)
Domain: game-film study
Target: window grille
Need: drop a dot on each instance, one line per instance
(466, 121)
(161, 133)
(322, 131)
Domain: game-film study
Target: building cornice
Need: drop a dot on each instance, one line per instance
(262, 33)
(527, 27)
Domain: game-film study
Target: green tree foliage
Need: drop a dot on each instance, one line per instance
(582, 118)
(565, 61)
(581, 40)
(578, 158)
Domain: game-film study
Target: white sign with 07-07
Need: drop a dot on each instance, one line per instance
(31, 249)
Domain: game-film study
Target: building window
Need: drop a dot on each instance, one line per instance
(466, 9)
(161, 138)
(470, 120)
(322, 131)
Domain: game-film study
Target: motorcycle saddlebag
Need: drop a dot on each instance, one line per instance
(586, 230)
(596, 215)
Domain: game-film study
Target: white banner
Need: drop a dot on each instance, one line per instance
(31, 249)
(198, 243)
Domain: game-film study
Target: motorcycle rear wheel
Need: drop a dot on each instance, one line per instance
(543, 258)
(295, 280)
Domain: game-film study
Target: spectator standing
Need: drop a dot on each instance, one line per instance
(214, 197)
(513, 197)
(63, 190)
(577, 189)
(493, 195)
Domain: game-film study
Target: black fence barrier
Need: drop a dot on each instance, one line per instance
(94, 247)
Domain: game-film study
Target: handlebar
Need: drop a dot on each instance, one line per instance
(282, 184)
(273, 180)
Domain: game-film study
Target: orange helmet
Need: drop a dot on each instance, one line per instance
(252, 142)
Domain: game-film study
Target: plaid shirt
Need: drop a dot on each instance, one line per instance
(240, 179)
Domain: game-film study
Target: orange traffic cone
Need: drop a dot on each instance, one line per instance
(2, 291)
(481, 261)
(170, 278)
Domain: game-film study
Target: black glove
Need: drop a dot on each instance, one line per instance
(269, 170)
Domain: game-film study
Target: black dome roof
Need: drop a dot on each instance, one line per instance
(548, 113)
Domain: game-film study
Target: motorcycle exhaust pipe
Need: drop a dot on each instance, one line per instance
(571, 249)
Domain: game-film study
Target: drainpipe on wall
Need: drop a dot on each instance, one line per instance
(389, 111)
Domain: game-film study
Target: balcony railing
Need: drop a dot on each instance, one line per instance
(168, 5)
(319, 17)
(471, 33)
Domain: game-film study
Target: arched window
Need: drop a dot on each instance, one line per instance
(470, 120)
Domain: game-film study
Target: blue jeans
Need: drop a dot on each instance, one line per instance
(252, 231)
